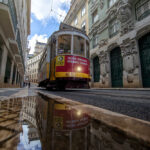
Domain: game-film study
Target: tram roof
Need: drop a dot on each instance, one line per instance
(66, 27)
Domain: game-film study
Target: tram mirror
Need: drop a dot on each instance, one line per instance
(79, 47)
(64, 44)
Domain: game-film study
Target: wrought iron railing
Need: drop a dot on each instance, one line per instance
(20, 46)
(12, 9)
(142, 8)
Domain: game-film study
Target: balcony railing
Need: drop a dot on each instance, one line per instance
(12, 9)
(20, 46)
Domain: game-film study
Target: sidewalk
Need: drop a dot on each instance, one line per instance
(6, 93)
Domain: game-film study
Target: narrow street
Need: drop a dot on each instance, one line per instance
(134, 103)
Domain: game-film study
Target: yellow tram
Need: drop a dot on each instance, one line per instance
(65, 60)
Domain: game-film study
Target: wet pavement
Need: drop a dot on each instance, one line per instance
(25, 123)
(40, 123)
(134, 103)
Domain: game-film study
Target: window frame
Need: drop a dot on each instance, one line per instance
(113, 23)
(95, 16)
(83, 11)
(143, 15)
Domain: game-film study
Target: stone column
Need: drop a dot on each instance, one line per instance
(104, 69)
(3, 65)
(131, 64)
(11, 73)
(15, 76)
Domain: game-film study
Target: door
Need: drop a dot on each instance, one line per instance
(96, 69)
(144, 46)
(8, 70)
(116, 68)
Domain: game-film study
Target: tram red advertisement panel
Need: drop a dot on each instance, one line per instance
(69, 118)
(72, 64)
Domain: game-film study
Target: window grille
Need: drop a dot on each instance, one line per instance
(142, 9)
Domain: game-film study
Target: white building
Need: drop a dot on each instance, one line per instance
(14, 30)
(33, 63)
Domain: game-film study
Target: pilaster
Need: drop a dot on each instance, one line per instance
(4, 61)
(131, 63)
(104, 69)
(11, 73)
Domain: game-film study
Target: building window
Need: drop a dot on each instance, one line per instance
(83, 26)
(76, 21)
(142, 9)
(95, 41)
(83, 11)
(114, 28)
(111, 2)
(95, 16)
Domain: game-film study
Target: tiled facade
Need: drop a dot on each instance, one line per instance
(14, 30)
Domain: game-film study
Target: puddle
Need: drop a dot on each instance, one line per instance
(36, 123)
(33, 123)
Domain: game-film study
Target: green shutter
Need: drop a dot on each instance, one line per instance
(116, 68)
(96, 68)
(8, 70)
(144, 45)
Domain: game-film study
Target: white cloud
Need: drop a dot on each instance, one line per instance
(42, 9)
(39, 38)
(31, 20)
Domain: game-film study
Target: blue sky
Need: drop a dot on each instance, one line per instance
(46, 16)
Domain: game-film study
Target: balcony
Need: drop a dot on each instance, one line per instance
(8, 18)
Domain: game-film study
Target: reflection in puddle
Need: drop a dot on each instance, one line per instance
(33, 123)
(36, 123)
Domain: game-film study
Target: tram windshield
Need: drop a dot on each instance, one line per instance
(79, 48)
(64, 44)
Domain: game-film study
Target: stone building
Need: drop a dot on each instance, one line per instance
(33, 63)
(77, 16)
(14, 30)
(119, 32)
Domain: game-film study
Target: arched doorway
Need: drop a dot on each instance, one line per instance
(96, 69)
(116, 68)
(144, 48)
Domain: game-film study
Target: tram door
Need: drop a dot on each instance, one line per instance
(96, 67)
(144, 46)
(116, 68)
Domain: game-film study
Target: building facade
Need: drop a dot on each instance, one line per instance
(77, 16)
(14, 30)
(33, 63)
(119, 32)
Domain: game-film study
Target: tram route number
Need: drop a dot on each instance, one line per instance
(60, 61)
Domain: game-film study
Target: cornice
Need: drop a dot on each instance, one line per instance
(74, 9)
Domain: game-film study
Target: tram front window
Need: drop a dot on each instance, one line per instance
(64, 44)
(79, 48)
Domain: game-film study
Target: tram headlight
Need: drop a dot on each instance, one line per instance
(79, 69)
(79, 112)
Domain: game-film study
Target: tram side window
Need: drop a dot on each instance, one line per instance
(64, 44)
(79, 48)
(53, 51)
(87, 49)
